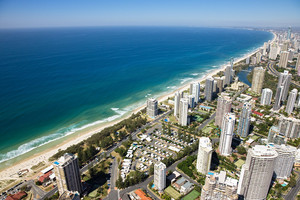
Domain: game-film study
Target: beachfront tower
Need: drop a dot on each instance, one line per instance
(183, 113)
(196, 91)
(227, 74)
(258, 79)
(273, 51)
(283, 59)
(204, 155)
(245, 119)
(291, 101)
(67, 173)
(266, 96)
(160, 176)
(176, 104)
(289, 33)
(152, 108)
(257, 172)
(223, 107)
(209, 83)
(227, 134)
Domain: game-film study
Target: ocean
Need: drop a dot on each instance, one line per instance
(55, 81)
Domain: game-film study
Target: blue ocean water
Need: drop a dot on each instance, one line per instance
(55, 81)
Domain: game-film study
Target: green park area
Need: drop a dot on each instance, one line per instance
(239, 163)
(192, 195)
(172, 192)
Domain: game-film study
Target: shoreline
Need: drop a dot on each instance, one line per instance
(44, 155)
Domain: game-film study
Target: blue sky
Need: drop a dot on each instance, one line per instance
(64, 13)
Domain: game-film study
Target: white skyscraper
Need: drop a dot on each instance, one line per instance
(152, 109)
(160, 176)
(297, 67)
(209, 83)
(265, 48)
(273, 51)
(258, 57)
(266, 96)
(257, 172)
(283, 59)
(289, 126)
(227, 134)
(196, 91)
(183, 114)
(223, 107)
(258, 79)
(291, 101)
(285, 160)
(244, 120)
(283, 86)
(176, 104)
(204, 155)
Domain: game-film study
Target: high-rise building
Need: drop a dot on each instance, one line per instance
(266, 96)
(258, 57)
(152, 109)
(285, 160)
(220, 83)
(215, 87)
(291, 101)
(183, 113)
(209, 83)
(289, 126)
(283, 59)
(273, 51)
(67, 173)
(278, 97)
(258, 79)
(283, 86)
(275, 136)
(244, 120)
(257, 172)
(204, 155)
(191, 101)
(297, 104)
(196, 91)
(285, 46)
(265, 48)
(176, 104)
(248, 60)
(223, 107)
(289, 33)
(160, 176)
(297, 67)
(227, 134)
(227, 74)
(219, 186)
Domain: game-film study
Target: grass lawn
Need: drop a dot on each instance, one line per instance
(239, 163)
(207, 129)
(93, 194)
(172, 192)
(255, 137)
(192, 195)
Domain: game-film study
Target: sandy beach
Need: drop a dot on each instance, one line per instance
(10, 172)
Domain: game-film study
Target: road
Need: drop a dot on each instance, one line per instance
(113, 194)
(123, 193)
(102, 155)
(274, 72)
(294, 191)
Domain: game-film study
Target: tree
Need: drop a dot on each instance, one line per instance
(151, 169)
(92, 172)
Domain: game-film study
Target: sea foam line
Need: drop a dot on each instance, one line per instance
(33, 144)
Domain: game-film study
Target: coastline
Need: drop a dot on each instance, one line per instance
(7, 173)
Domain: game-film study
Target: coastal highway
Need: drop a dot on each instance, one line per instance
(294, 191)
(274, 72)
